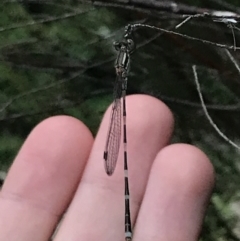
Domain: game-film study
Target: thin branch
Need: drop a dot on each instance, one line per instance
(183, 22)
(44, 21)
(234, 39)
(164, 6)
(184, 36)
(189, 103)
(20, 42)
(154, 5)
(233, 60)
(59, 82)
(150, 40)
(212, 123)
(34, 91)
(55, 108)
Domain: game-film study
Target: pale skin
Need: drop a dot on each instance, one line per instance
(60, 166)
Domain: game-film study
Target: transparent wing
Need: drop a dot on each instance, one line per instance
(114, 133)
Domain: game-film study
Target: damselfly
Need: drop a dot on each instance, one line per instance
(124, 48)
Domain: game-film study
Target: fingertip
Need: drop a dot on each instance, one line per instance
(53, 157)
(144, 109)
(56, 133)
(149, 125)
(188, 167)
(44, 177)
(177, 195)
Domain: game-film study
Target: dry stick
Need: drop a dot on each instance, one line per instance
(162, 6)
(192, 104)
(236, 28)
(230, 24)
(234, 39)
(233, 60)
(47, 20)
(206, 111)
(184, 36)
(183, 22)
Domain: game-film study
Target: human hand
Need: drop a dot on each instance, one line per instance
(59, 167)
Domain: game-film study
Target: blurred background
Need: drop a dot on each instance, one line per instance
(56, 57)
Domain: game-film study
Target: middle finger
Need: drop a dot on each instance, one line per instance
(96, 212)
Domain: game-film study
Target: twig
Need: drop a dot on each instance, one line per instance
(233, 60)
(183, 22)
(189, 103)
(212, 123)
(59, 82)
(184, 36)
(164, 6)
(43, 21)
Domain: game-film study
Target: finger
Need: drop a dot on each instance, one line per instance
(177, 195)
(97, 211)
(43, 179)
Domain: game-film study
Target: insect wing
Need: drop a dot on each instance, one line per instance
(113, 138)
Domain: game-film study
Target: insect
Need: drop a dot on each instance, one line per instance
(122, 65)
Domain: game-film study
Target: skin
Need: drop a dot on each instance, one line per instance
(60, 167)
